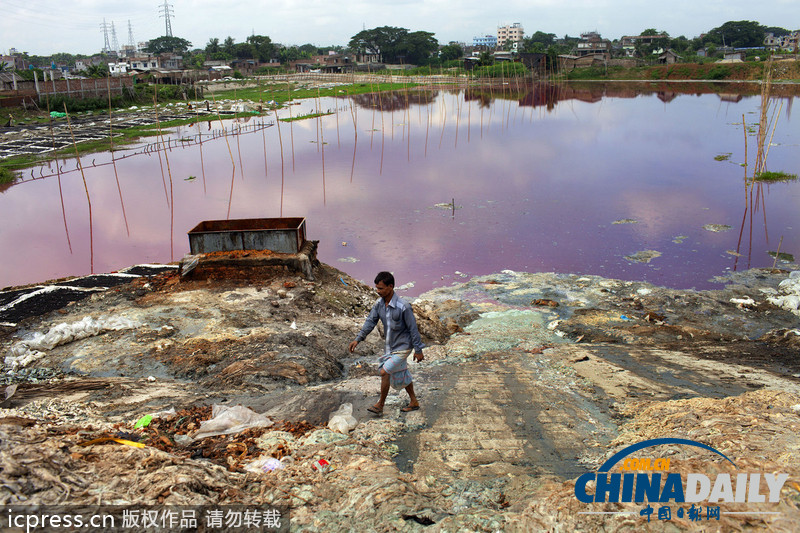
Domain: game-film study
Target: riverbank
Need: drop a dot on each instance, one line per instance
(529, 381)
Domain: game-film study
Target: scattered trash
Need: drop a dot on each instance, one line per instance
(264, 464)
(544, 302)
(733, 253)
(230, 420)
(406, 286)
(623, 317)
(679, 239)
(625, 221)
(188, 263)
(143, 422)
(190, 178)
(103, 440)
(342, 420)
(343, 281)
(716, 228)
(293, 325)
(348, 260)
(789, 293)
(645, 256)
(30, 349)
(344, 243)
(321, 465)
(744, 303)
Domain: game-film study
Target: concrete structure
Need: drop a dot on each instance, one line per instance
(592, 45)
(629, 42)
(509, 33)
(487, 41)
(788, 43)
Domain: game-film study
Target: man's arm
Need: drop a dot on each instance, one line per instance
(416, 340)
(369, 325)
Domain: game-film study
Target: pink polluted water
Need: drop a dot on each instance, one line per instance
(440, 185)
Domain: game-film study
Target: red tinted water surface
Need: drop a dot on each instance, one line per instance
(543, 178)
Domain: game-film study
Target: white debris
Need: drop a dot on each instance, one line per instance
(32, 348)
(643, 291)
(743, 303)
(342, 420)
(788, 296)
(229, 420)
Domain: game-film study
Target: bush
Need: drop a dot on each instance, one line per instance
(268, 71)
(500, 70)
(238, 75)
(719, 72)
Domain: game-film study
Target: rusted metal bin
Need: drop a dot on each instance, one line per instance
(283, 235)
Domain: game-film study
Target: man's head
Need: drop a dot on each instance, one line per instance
(384, 284)
(385, 277)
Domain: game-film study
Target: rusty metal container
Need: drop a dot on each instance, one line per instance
(282, 235)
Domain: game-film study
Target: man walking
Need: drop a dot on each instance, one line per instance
(402, 337)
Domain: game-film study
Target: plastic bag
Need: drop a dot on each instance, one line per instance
(227, 420)
(342, 420)
(264, 464)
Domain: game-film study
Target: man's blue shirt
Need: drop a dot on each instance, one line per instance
(398, 323)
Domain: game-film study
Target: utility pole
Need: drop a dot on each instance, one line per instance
(104, 27)
(165, 12)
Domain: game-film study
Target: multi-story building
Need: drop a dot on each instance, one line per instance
(783, 42)
(509, 33)
(487, 41)
(593, 44)
(629, 42)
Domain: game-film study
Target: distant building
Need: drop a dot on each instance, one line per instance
(487, 41)
(592, 44)
(783, 42)
(629, 42)
(510, 33)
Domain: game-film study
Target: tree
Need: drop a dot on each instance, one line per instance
(451, 52)
(97, 71)
(776, 31)
(393, 44)
(739, 34)
(538, 42)
(261, 47)
(166, 44)
(229, 47)
(212, 48)
(416, 48)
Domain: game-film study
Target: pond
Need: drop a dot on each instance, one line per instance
(630, 182)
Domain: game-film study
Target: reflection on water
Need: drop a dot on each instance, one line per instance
(537, 175)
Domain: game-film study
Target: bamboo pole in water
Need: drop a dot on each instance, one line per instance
(171, 193)
(200, 141)
(280, 140)
(86, 189)
(58, 172)
(113, 161)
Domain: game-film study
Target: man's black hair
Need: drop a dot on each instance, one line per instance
(385, 277)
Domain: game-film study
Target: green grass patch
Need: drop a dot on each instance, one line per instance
(303, 117)
(7, 175)
(283, 92)
(722, 157)
(772, 177)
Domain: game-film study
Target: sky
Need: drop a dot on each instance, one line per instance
(44, 27)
